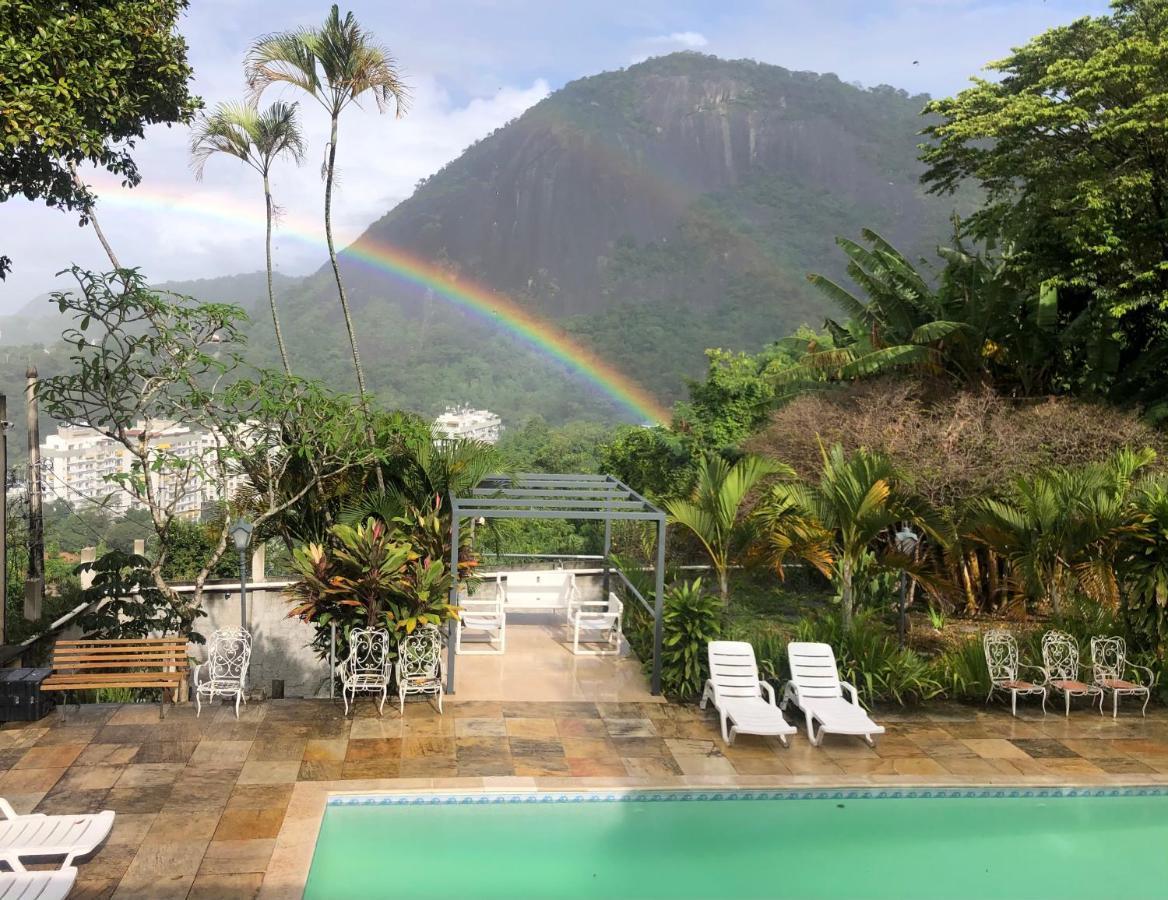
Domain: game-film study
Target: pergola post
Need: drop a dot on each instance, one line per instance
(548, 496)
(451, 625)
(658, 607)
(607, 550)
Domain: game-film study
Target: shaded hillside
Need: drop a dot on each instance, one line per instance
(653, 212)
(627, 185)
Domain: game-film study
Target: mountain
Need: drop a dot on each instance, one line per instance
(652, 212)
(39, 321)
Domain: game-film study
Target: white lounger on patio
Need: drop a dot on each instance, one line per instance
(738, 694)
(53, 884)
(39, 836)
(815, 687)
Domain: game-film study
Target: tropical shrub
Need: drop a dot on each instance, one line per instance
(691, 619)
(128, 605)
(868, 657)
(715, 514)
(370, 576)
(842, 525)
(961, 669)
(1144, 604)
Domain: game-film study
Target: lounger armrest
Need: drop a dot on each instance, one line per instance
(848, 688)
(6, 809)
(768, 691)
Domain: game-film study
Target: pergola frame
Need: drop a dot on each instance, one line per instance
(541, 496)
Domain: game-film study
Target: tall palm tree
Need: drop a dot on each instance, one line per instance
(840, 522)
(714, 511)
(336, 64)
(259, 139)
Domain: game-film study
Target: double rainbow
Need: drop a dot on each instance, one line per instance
(492, 306)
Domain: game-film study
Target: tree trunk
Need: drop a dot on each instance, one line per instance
(105, 245)
(330, 171)
(724, 583)
(846, 599)
(271, 290)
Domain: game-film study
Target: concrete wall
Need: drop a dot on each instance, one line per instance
(281, 647)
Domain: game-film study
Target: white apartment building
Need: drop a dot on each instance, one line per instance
(78, 462)
(469, 424)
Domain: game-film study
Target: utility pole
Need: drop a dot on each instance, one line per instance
(4, 520)
(34, 587)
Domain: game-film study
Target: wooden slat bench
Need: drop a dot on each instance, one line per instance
(159, 663)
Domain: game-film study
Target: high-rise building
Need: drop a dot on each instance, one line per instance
(79, 463)
(466, 423)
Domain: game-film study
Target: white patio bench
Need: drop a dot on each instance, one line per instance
(542, 591)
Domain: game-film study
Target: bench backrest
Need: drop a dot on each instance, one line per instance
(141, 654)
(553, 589)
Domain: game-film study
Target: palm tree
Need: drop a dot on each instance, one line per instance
(714, 511)
(259, 139)
(838, 523)
(336, 65)
(1066, 530)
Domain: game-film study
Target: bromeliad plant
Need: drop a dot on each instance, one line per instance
(369, 575)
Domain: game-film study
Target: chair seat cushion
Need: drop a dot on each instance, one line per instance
(1119, 684)
(1021, 686)
(1075, 687)
(219, 684)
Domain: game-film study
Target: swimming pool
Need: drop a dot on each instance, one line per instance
(934, 843)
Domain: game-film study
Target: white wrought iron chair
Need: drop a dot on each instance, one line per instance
(367, 667)
(419, 664)
(1001, 656)
(601, 619)
(1060, 663)
(1109, 670)
(224, 674)
(486, 614)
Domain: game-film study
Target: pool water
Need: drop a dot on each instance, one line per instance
(741, 845)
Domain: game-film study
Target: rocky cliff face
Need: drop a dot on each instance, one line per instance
(652, 213)
(568, 203)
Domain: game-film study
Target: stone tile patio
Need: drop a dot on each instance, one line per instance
(215, 807)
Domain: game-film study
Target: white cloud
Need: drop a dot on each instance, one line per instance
(174, 227)
(691, 39)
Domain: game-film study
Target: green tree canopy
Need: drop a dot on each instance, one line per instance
(1070, 149)
(78, 83)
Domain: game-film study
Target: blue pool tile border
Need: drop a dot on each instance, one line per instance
(667, 796)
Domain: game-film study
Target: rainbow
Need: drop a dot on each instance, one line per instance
(489, 305)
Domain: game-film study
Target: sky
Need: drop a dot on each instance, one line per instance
(472, 65)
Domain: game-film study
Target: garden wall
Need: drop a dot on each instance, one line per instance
(281, 646)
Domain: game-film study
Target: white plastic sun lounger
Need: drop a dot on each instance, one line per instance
(815, 687)
(53, 884)
(38, 836)
(738, 694)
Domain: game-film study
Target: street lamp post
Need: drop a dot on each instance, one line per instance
(906, 542)
(241, 535)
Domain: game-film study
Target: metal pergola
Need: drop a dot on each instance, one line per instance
(539, 496)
